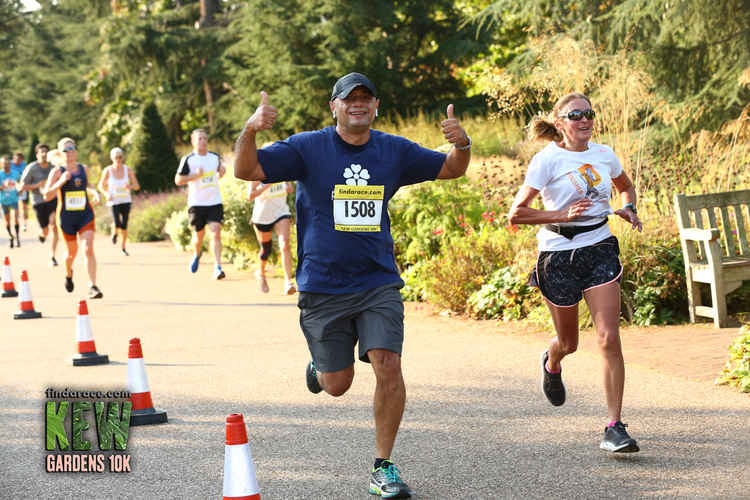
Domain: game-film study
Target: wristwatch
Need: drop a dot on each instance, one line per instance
(631, 207)
(464, 148)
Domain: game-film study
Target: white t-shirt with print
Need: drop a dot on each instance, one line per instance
(563, 177)
(203, 191)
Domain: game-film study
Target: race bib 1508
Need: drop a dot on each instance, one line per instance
(208, 179)
(75, 200)
(357, 208)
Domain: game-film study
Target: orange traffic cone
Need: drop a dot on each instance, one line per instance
(143, 412)
(87, 355)
(9, 290)
(239, 471)
(24, 300)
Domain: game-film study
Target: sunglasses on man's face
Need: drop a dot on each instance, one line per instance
(69, 148)
(577, 115)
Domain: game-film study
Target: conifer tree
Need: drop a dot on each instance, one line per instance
(152, 157)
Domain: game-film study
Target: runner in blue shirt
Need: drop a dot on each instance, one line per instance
(18, 165)
(9, 197)
(346, 270)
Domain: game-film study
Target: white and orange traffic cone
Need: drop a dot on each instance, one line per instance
(143, 412)
(86, 355)
(25, 303)
(239, 471)
(9, 290)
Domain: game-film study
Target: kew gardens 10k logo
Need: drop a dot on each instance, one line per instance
(69, 432)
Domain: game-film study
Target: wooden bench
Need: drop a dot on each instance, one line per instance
(715, 248)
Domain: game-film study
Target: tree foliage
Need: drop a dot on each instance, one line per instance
(153, 158)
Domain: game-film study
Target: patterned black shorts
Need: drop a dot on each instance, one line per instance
(562, 276)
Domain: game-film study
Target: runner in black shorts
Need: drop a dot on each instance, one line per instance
(201, 171)
(33, 179)
(270, 211)
(74, 213)
(578, 255)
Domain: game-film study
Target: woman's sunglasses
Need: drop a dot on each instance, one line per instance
(73, 148)
(576, 115)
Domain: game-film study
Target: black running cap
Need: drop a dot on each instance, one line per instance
(347, 83)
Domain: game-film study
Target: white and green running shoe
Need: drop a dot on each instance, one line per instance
(386, 482)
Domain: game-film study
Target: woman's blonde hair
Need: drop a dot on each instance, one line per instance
(114, 151)
(543, 127)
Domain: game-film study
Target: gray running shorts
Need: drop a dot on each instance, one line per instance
(333, 324)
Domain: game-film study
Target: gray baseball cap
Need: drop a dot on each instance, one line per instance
(347, 83)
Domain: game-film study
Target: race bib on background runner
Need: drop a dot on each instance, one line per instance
(75, 200)
(121, 193)
(357, 208)
(207, 180)
(276, 190)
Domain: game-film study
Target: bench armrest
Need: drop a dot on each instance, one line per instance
(694, 234)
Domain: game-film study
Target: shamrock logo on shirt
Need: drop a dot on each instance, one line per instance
(355, 175)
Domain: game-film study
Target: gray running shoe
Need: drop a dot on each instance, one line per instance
(617, 440)
(552, 385)
(386, 482)
(311, 376)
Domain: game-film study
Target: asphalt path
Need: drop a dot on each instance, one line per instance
(475, 426)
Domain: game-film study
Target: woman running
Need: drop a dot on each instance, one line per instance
(271, 212)
(116, 183)
(578, 255)
(74, 213)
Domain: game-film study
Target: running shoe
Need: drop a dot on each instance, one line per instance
(552, 385)
(219, 273)
(114, 237)
(311, 376)
(262, 283)
(11, 242)
(194, 263)
(386, 482)
(41, 238)
(290, 289)
(95, 293)
(617, 440)
(53, 262)
(125, 252)
(69, 283)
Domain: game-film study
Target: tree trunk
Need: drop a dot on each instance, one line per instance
(208, 11)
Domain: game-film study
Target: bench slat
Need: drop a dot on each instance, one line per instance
(696, 202)
(726, 222)
(741, 233)
(698, 217)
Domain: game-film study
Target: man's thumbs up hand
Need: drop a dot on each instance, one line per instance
(264, 117)
(452, 130)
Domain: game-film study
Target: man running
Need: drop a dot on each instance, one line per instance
(9, 198)
(32, 180)
(18, 165)
(346, 271)
(201, 171)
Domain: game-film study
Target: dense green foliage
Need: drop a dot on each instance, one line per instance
(153, 158)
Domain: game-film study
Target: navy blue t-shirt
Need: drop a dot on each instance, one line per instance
(344, 242)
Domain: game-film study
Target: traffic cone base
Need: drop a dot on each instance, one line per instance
(10, 293)
(147, 417)
(27, 315)
(90, 359)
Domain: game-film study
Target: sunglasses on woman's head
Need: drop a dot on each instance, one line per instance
(577, 114)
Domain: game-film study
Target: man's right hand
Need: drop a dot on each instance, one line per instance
(264, 117)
